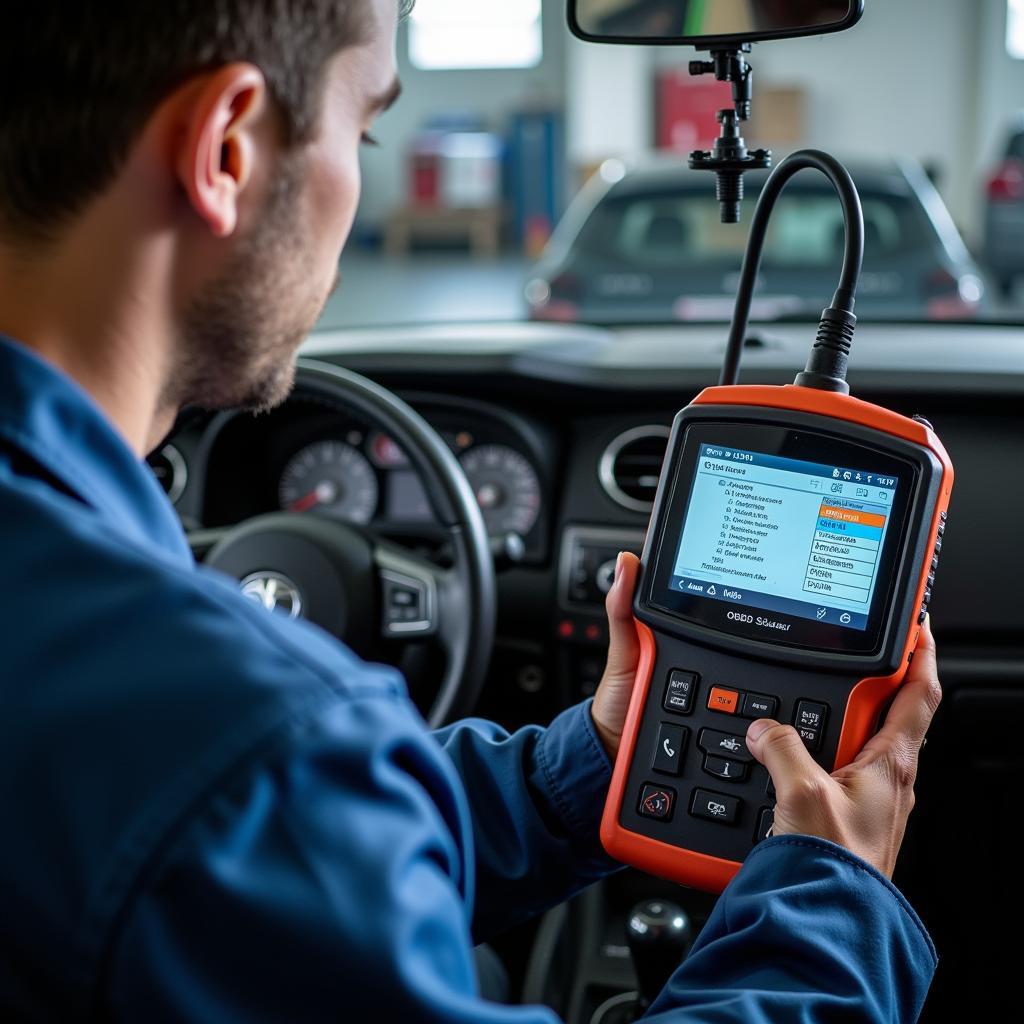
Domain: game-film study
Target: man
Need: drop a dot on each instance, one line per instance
(214, 814)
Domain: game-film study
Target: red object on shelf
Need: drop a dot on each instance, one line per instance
(686, 110)
(426, 179)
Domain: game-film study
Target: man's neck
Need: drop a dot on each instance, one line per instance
(84, 306)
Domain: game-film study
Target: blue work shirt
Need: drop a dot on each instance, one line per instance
(211, 813)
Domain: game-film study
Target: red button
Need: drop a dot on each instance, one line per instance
(720, 699)
(566, 629)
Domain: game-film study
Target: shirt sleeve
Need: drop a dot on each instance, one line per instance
(805, 933)
(332, 879)
(535, 800)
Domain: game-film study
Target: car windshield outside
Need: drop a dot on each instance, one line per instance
(526, 175)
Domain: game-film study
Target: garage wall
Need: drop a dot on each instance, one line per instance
(491, 95)
(949, 119)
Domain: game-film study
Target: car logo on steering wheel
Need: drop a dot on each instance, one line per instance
(274, 592)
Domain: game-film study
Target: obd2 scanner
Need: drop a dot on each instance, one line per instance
(786, 573)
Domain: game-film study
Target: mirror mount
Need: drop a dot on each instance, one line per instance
(730, 158)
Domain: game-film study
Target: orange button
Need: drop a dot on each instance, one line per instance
(720, 699)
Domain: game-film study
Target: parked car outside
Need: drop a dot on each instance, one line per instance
(1003, 239)
(646, 245)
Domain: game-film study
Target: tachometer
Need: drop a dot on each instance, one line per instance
(506, 488)
(333, 478)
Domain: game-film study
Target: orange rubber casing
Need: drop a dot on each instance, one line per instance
(868, 697)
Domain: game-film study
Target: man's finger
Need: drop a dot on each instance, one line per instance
(780, 749)
(623, 646)
(915, 705)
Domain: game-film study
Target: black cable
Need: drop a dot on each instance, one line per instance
(826, 367)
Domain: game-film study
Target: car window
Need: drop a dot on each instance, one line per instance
(549, 179)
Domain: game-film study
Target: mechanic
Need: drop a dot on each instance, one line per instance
(212, 813)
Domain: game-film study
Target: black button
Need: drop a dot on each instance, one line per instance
(723, 768)
(928, 597)
(715, 806)
(668, 754)
(922, 616)
(757, 705)
(681, 689)
(725, 744)
(943, 516)
(810, 715)
(935, 564)
(765, 820)
(811, 737)
(657, 802)
(931, 580)
(941, 530)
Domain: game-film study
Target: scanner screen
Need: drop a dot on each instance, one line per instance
(773, 534)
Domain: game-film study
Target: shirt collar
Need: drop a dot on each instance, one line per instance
(48, 417)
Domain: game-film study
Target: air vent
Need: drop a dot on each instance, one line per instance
(631, 465)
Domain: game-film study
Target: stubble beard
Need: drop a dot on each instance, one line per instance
(240, 337)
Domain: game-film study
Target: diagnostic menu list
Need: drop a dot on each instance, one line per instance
(784, 535)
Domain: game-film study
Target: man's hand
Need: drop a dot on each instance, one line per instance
(612, 697)
(865, 805)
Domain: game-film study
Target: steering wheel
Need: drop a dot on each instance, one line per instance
(363, 589)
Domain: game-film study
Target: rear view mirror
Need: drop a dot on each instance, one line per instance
(708, 23)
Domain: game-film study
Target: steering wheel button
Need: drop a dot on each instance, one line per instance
(723, 700)
(715, 806)
(656, 802)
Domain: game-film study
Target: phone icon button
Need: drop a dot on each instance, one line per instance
(668, 751)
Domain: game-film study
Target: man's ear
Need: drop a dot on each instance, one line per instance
(215, 159)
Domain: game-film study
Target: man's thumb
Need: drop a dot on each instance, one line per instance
(780, 749)
(623, 647)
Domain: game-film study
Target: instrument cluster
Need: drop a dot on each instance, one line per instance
(320, 460)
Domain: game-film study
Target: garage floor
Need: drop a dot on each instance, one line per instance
(426, 288)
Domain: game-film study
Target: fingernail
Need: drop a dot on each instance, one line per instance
(618, 567)
(757, 728)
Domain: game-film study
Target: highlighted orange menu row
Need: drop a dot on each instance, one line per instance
(851, 515)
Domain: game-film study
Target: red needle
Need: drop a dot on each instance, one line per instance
(311, 500)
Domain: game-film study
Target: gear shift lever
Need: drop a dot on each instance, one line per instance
(659, 935)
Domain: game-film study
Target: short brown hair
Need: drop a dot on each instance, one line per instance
(79, 81)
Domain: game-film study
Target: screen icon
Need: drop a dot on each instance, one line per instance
(712, 592)
(835, 473)
(846, 618)
(862, 492)
(821, 613)
(847, 475)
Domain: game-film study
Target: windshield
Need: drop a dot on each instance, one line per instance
(526, 175)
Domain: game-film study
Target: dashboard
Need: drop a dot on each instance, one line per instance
(561, 431)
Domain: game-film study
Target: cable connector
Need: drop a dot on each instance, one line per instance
(830, 356)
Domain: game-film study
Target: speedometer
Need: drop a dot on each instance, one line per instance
(506, 488)
(333, 478)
